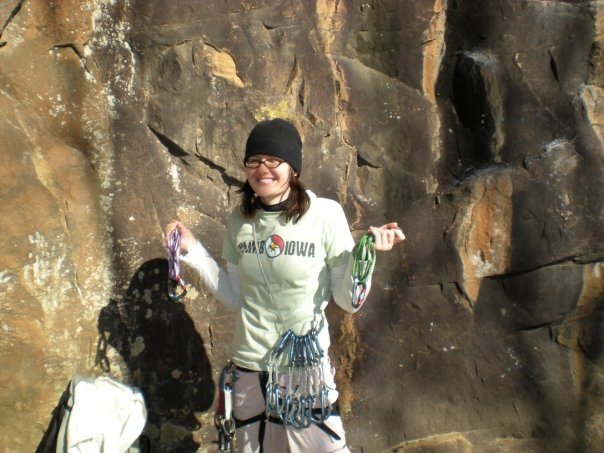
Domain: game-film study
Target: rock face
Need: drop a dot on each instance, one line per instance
(476, 125)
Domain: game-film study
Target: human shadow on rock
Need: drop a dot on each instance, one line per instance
(164, 353)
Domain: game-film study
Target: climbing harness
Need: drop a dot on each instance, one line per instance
(223, 420)
(362, 267)
(175, 280)
(292, 395)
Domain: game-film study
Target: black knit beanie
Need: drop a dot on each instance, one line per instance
(277, 138)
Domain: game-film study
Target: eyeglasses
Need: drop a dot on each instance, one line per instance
(271, 162)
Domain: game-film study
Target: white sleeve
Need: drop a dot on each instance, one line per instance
(224, 286)
(342, 286)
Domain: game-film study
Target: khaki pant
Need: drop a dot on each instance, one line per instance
(249, 402)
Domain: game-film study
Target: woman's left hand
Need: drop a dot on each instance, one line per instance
(387, 236)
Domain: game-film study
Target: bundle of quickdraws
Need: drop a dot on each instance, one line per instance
(305, 385)
(223, 420)
(362, 267)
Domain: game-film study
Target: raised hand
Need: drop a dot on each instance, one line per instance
(387, 236)
(187, 240)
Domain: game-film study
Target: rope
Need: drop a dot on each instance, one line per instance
(173, 249)
(364, 258)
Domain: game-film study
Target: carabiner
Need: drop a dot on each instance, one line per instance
(307, 416)
(297, 352)
(282, 343)
(272, 400)
(310, 354)
(324, 403)
(173, 284)
(293, 418)
(301, 417)
(223, 419)
(303, 356)
(359, 294)
(318, 350)
(281, 403)
(292, 351)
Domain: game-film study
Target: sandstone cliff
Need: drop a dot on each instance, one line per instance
(477, 125)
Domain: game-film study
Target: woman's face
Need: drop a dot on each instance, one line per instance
(270, 184)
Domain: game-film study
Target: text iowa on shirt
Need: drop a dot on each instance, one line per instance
(275, 246)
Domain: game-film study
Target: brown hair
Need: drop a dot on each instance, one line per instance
(296, 206)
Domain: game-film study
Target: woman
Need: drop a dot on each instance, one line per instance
(287, 252)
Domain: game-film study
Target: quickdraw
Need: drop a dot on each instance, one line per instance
(175, 280)
(362, 267)
(223, 420)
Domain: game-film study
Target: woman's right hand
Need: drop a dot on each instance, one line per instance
(187, 240)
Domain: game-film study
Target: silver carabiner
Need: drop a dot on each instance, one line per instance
(282, 404)
(271, 400)
(292, 352)
(315, 344)
(289, 409)
(359, 293)
(224, 422)
(298, 354)
(282, 343)
(304, 415)
(303, 355)
(324, 403)
(310, 355)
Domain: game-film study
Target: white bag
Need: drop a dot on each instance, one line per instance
(102, 416)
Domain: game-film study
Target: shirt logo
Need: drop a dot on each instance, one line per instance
(273, 246)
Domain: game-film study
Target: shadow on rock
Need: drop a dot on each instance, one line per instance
(164, 353)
